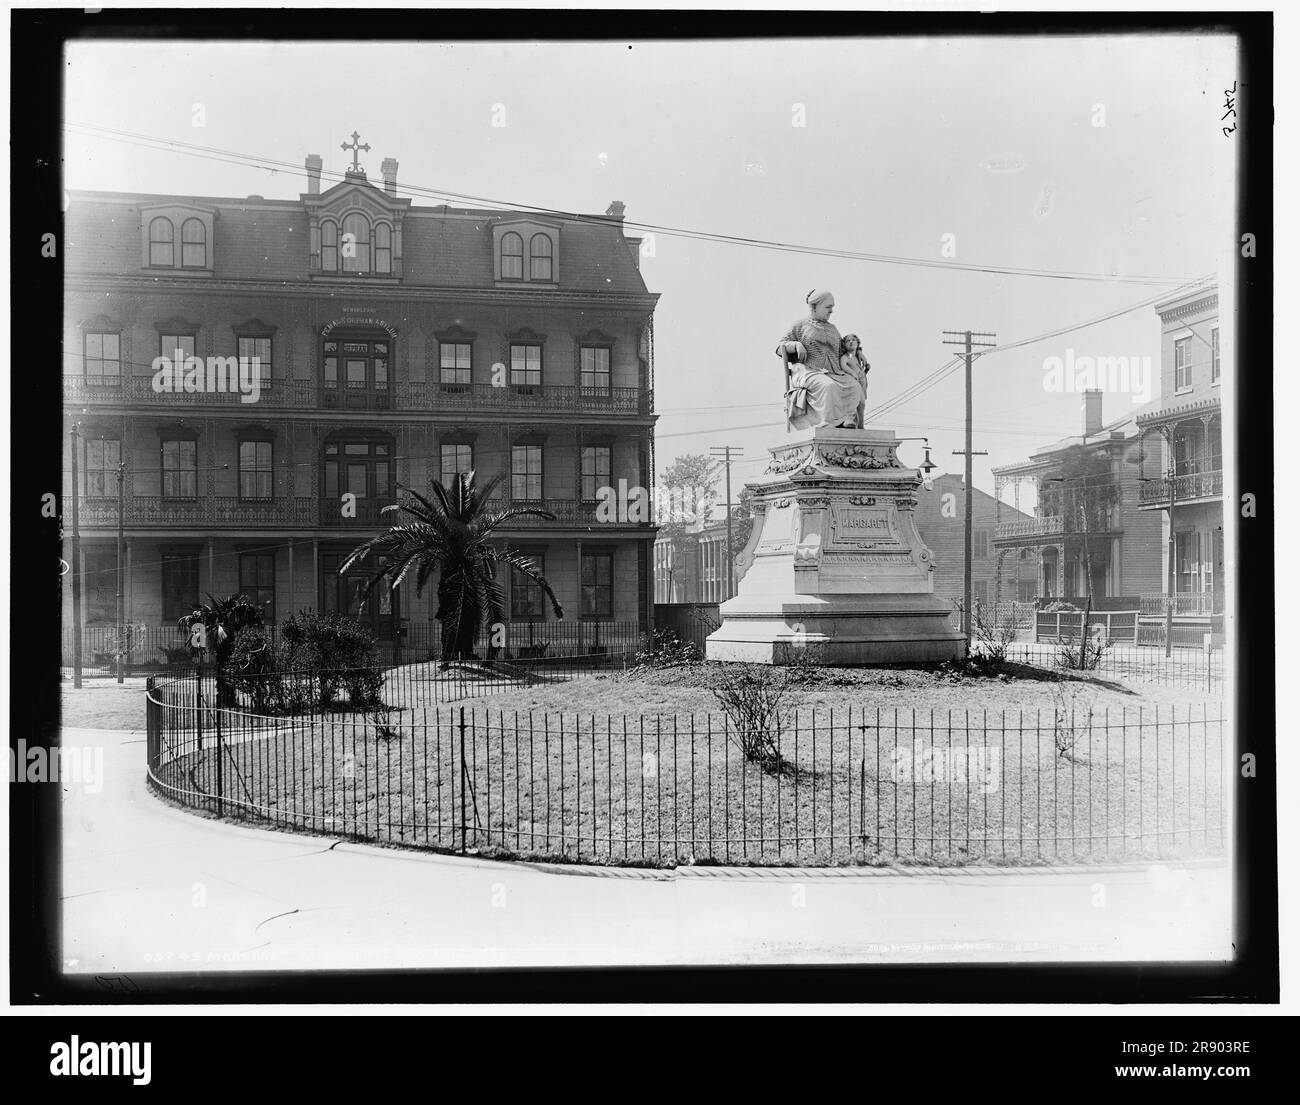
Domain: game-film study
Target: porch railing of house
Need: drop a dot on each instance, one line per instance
(1186, 603)
(1193, 485)
(1064, 625)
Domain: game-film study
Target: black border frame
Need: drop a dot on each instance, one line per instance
(38, 38)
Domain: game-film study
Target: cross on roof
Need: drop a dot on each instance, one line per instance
(355, 148)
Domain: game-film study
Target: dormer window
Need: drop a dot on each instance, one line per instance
(162, 243)
(527, 251)
(194, 244)
(539, 258)
(329, 246)
(355, 231)
(512, 257)
(178, 237)
(356, 243)
(363, 248)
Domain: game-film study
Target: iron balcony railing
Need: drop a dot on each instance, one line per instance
(1192, 485)
(1032, 527)
(412, 395)
(1186, 603)
(219, 510)
(283, 511)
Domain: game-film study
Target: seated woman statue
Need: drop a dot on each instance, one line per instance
(821, 392)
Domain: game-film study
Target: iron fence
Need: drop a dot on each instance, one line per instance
(1190, 667)
(857, 786)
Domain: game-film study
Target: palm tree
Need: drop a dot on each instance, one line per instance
(452, 534)
(224, 620)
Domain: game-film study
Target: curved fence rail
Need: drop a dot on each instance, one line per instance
(859, 786)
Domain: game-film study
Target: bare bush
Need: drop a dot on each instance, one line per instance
(1071, 720)
(753, 700)
(995, 636)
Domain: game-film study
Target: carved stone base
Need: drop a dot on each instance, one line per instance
(835, 567)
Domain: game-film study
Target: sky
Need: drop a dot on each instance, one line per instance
(987, 148)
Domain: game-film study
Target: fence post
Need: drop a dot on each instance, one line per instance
(463, 825)
(219, 769)
(198, 703)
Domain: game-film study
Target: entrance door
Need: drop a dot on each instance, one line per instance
(346, 595)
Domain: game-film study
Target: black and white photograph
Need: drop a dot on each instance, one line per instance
(649, 502)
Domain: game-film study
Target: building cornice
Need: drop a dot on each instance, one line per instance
(1179, 411)
(1191, 303)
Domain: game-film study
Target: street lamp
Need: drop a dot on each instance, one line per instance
(927, 465)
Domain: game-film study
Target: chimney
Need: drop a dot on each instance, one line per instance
(313, 174)
(1091, 411)
(389, 171)
(615, 210)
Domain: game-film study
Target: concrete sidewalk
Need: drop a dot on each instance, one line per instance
(147, 887)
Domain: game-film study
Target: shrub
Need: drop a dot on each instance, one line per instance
(250, 666)
(995, 636)
(1087, 654)
(667, 649)
(337, 647)
(753, 699)
(332, 640)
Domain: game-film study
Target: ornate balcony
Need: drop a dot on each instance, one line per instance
(228, 511)
(232, 513)
(1192, 487)
(413, 395)
(1049, 526)
(139, 391)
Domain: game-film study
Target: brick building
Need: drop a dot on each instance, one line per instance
(396, 344)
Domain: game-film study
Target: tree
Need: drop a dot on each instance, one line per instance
(691, 486)
(452, 535)
(1082, 494)
(224, 619)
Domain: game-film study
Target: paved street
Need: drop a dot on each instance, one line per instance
(147, 887)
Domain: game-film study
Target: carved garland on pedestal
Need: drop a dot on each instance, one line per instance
(855, 457)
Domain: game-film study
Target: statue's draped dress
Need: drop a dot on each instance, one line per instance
(820, 394)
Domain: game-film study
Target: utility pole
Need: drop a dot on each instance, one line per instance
(76, 567)
(968, 338)
(727, 452)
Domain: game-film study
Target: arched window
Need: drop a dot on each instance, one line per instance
(329, 246)
(539, 254)
(383, 248)
(194, 244)
(356, 249)
(162, 243)
(512, 257)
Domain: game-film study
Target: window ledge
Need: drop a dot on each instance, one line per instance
(360, 278)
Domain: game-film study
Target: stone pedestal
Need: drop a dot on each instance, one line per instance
(834, 567)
